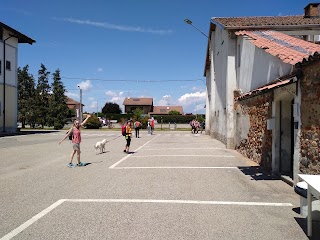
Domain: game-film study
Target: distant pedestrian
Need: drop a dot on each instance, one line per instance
(203, 126)
(137, 126)
(76, 140)
(152, 125)
(149, 128)
(128, 136)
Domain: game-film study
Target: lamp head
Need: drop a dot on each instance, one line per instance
(188, 21)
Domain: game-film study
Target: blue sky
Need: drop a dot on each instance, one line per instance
(117, 49)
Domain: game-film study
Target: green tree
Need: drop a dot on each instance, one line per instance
(137, 113)
(174, 112)
(110, 107)
(42, 96)
(26, 96)
(57, 103)
(93, 123)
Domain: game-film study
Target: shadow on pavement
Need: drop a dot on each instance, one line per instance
(315, 227)
(26, 132)
(258, 173)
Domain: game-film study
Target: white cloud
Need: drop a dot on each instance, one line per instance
(165, 101)
(72, 95)
(114, 26)
(115, 97)
(193, 102)
(192, 97)
(86, 85)
(92, 98)
(100, 70)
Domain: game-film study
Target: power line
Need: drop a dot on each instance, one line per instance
(132, 80)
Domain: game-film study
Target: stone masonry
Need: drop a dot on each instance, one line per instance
(310, 119)
(258, 144)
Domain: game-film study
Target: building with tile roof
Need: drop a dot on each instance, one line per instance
(10, 39)
(130, 104)
(255, 71)
(164, 110)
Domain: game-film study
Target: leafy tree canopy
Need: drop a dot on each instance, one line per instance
(110, 107)
(174, 112)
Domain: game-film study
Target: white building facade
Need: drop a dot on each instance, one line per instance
(9, 41)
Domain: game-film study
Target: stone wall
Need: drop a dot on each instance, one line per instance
(310, 119)
(257, 145)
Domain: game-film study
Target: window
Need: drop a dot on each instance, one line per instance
(8, 65)
(0, 67)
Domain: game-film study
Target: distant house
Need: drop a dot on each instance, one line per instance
(73, 104)
(9, 40)
(130, 104)
(164, 110)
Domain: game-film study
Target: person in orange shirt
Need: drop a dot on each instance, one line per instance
(137, 126)
(76, 140)
(128, 136)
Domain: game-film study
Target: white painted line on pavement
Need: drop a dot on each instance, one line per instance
(121, 160)
(149, 156)
(176, 168)
(153, 149)
(32, 220)
(272, 204)
(59, 202)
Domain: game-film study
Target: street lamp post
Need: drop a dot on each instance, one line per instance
(188, 21)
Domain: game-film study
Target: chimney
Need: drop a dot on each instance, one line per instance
(311, 10)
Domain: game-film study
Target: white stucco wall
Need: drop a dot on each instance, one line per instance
(11, 107)
(220, 68)
(257, 67)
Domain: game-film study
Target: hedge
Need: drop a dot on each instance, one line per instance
(174, 118)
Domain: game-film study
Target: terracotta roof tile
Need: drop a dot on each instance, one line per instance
(71, 101)
(166, 109)
(138, 101)
(278, 83)
(242, 22)
(289, 49)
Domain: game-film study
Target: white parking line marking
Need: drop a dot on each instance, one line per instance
(59, 202)
(32, 220)
(154, 149)
(149, 156)
(176, 168)
(121, 160)
(182, 202)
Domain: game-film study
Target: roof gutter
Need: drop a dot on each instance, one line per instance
(217, 23)
(271, 27)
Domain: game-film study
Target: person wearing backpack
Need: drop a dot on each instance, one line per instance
(75, 134)
(128, 134)
(137, 126)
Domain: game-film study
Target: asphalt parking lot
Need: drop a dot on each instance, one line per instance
(174, 185)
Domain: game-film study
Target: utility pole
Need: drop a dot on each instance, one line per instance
(80, 108)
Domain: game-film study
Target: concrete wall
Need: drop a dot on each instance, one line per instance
(257, 68)
(220, 62)
(11, 92)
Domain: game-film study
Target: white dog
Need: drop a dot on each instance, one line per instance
(100, 145)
